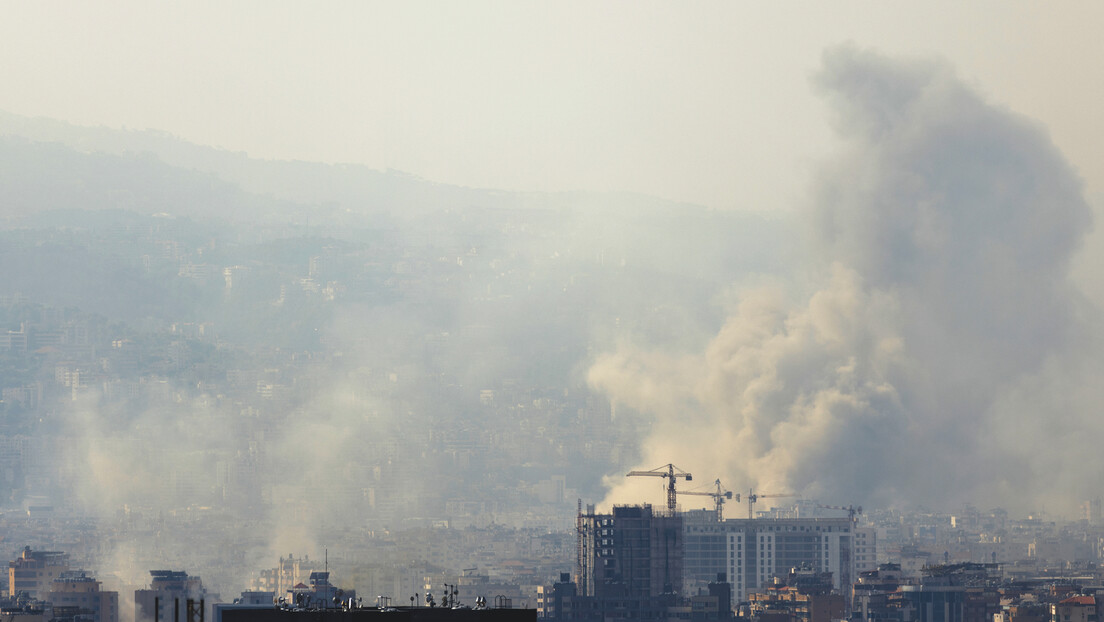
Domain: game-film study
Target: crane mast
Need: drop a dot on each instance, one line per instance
(752, 497)
(671, 472)
(718, 497)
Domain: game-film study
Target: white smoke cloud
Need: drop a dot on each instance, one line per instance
(927, 366)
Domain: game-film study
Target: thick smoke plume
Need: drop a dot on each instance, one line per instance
(939, 361)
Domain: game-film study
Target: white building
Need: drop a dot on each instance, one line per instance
(751, 552)
(866, 550)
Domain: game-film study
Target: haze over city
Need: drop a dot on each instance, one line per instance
(301, 275)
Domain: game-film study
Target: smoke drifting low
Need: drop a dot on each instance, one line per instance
(941, 359)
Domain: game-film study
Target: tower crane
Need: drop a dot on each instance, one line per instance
(718, 497)
(851, 510)
(753, 497)
(671, 472)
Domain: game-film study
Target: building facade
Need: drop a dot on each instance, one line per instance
(290, 572)
(634, 551)
(173, 596)
(33, 572)
(74, 589)
(751, 553)
(866, 550)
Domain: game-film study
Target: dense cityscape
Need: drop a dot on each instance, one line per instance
(879, 565)
(551, 312)
(266, 412)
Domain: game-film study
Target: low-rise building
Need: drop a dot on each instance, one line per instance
(173, 596)
(1075, 609)
(75, 589)
(33, 572)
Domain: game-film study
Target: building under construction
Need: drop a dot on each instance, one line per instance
(635, 551)
(642, 552)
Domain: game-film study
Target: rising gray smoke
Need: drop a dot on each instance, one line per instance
(939, 361)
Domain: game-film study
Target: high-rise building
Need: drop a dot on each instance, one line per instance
(866, 550)
(634, 551)
(752, 552)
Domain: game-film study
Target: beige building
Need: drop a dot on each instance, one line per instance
(33, 572)
(291, 572)
(1075, 609)
(865, 557)
(74, 589)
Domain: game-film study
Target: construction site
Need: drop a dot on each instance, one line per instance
(634, 558)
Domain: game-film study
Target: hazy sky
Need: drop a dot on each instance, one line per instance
(707, 102)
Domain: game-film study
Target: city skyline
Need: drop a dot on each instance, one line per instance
(283, 279)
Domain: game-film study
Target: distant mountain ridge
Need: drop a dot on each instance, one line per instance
(52, 165)
(348, 186)
(308, 183)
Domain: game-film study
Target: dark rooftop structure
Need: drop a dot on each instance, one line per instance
(371, 614)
